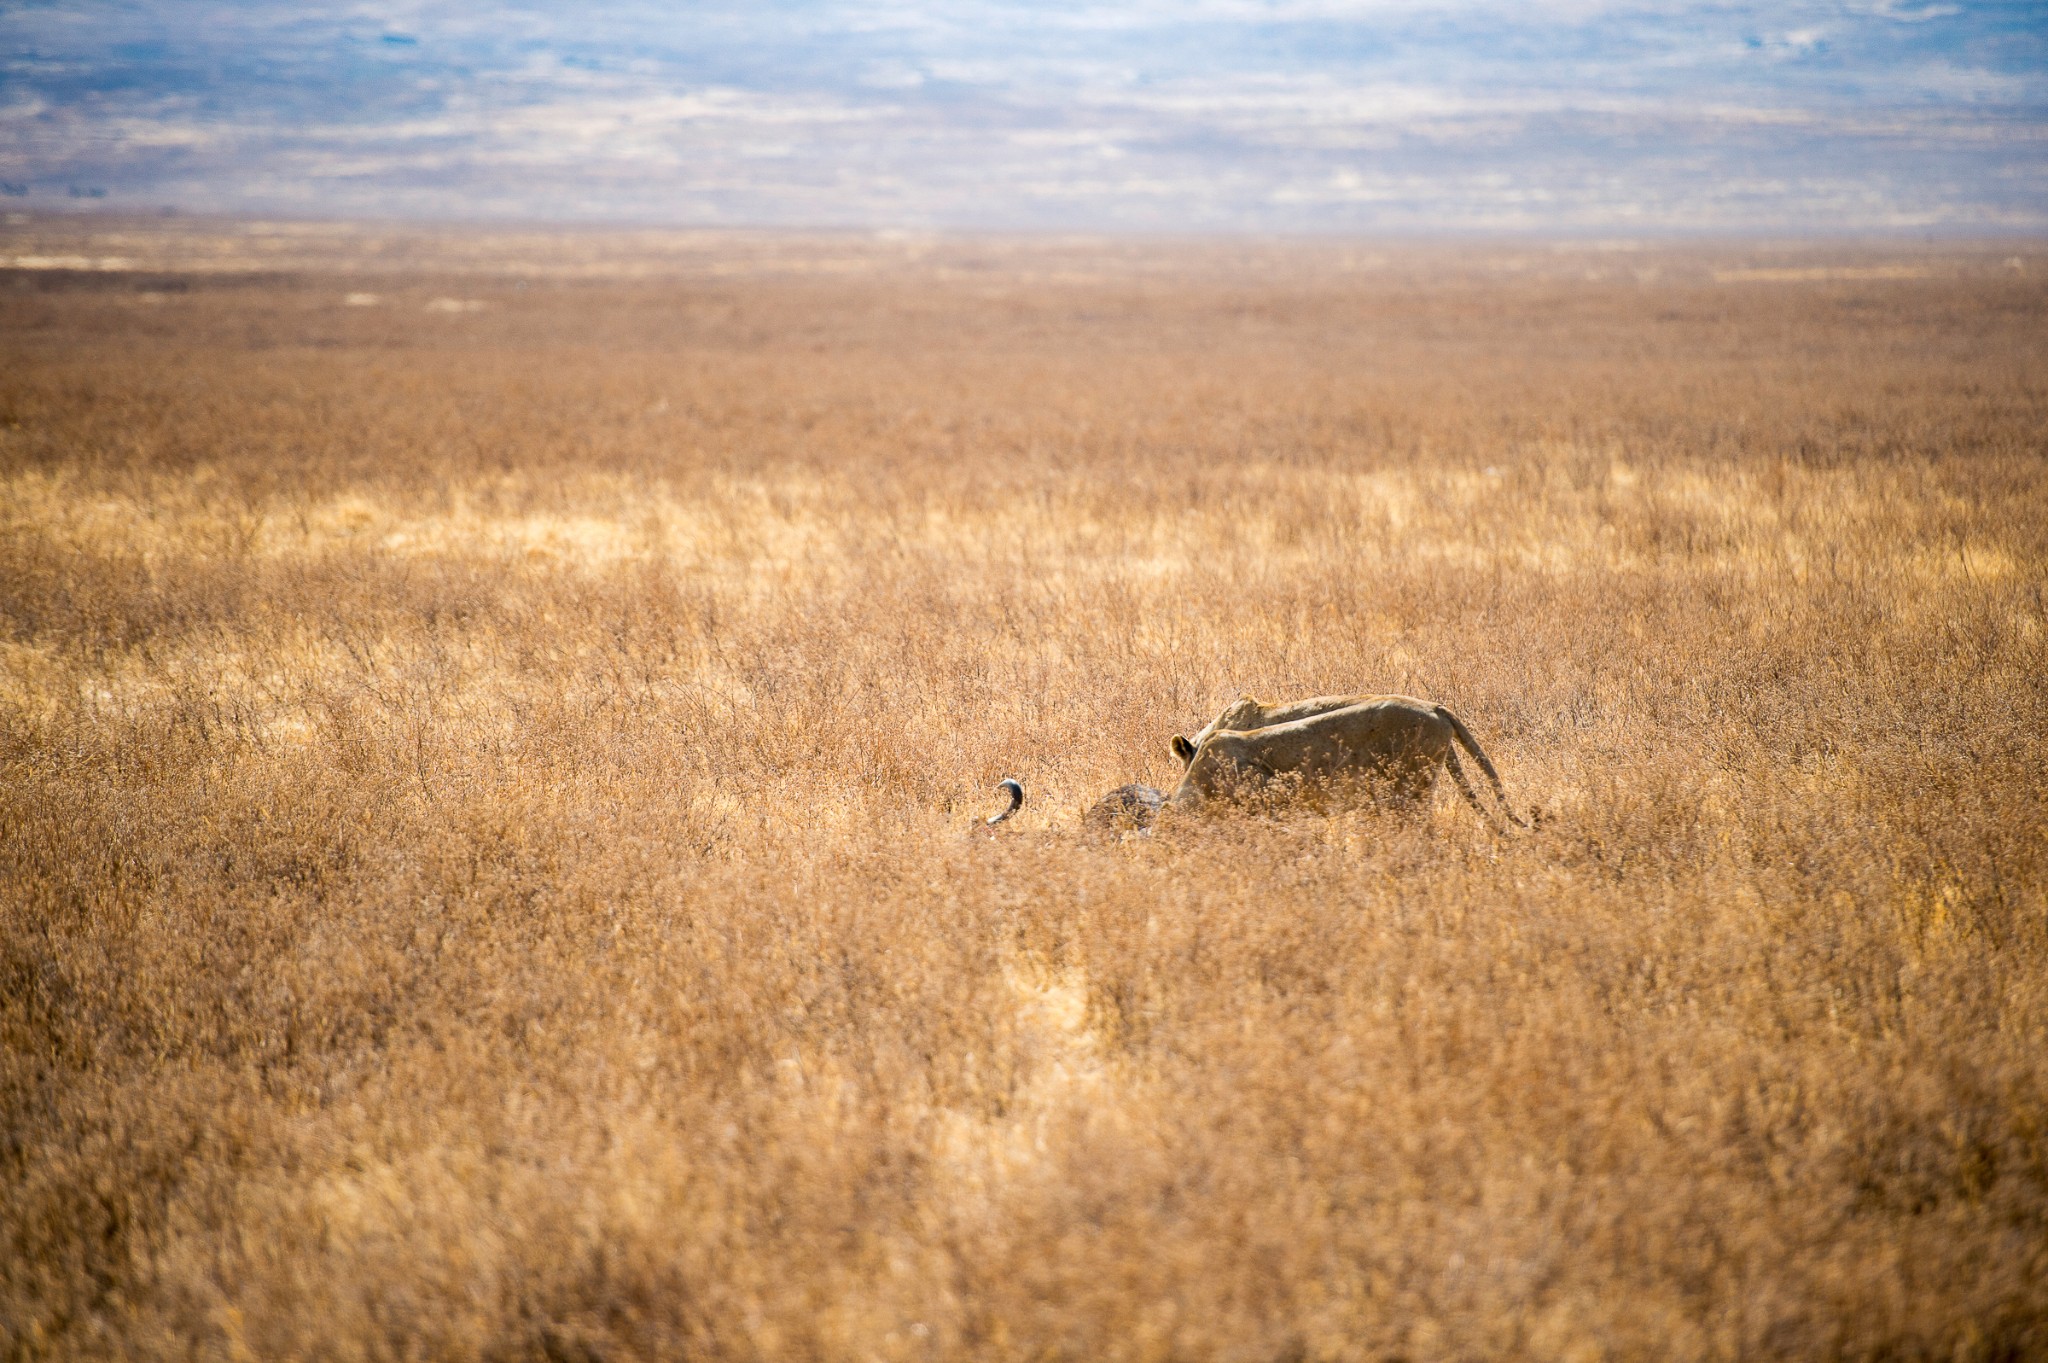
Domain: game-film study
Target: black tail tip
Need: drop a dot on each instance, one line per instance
(1015, 788)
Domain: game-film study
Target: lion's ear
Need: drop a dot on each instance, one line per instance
(1183, 749)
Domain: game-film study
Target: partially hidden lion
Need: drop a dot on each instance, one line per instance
(1321, 750)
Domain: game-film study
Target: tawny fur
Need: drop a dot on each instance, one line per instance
(1383, 746)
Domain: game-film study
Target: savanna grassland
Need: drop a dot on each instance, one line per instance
(494, 732)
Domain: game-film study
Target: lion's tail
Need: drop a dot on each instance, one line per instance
(1015, 789)
(1471, 745)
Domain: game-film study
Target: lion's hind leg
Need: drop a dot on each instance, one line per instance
(1465, 788)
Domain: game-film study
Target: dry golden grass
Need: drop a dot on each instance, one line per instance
(488, 827)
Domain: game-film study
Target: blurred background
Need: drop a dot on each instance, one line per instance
(1218, 115)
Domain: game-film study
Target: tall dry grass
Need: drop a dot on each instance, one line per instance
(488, 821)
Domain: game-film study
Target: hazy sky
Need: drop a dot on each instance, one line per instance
(1296, 115)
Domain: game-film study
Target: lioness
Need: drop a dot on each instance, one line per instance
(1395, 742)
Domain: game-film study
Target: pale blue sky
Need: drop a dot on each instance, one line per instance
(1287, 115)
